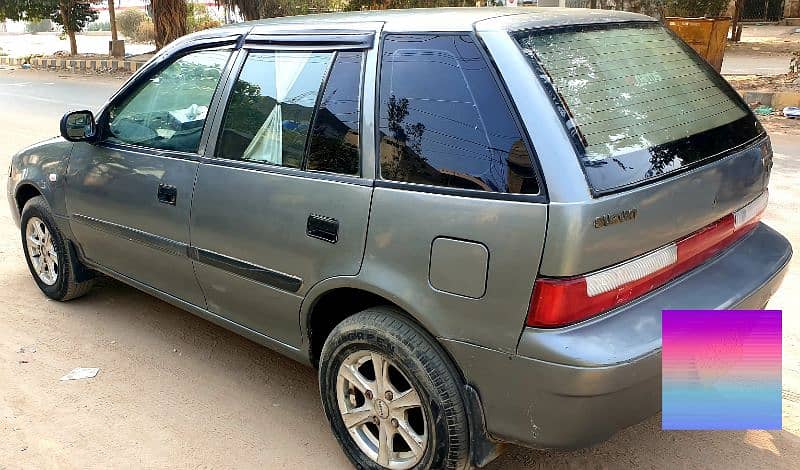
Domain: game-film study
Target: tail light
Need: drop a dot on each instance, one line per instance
(562, 301)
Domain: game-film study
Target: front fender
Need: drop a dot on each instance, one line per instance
(42, 166)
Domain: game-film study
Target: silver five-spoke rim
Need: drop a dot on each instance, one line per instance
(41, 251)
(381, 410)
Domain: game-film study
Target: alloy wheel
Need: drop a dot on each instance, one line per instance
(41, 250)
(381, 410)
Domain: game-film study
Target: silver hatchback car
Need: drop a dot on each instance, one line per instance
(469, 220)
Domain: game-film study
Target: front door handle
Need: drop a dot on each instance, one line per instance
(167, 194)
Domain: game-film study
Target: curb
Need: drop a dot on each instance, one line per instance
(776, 100)
(75, 64)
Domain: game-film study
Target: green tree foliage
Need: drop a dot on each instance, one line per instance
(356, 5)
(128, 21)
(198, 18)
(256, 9)
(694, 8)
(73, 15)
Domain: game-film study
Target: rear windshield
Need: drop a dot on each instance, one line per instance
(637, 101)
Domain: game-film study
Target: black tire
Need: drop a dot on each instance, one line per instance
(73, 279)
(419, 358)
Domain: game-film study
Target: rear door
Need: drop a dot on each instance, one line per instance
(129, 196)
(281, 204)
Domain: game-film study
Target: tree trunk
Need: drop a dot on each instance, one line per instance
(73, 44)
(65, 7)
(736, 21)
(169, 20)
(112, 19)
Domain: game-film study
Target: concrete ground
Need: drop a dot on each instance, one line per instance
(763, 50)
(20, 45)
(175, 391)
(746, 63)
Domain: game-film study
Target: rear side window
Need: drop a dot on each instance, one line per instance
(335, 134)
(271, 106)
(640, 103)
(444, 121)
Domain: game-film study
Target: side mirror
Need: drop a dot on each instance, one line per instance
(78, 126)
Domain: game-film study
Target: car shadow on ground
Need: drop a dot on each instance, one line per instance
(252, 367)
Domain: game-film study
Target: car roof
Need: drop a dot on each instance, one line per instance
(449, 19)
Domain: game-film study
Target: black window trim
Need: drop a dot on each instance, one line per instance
(329, 39)
(210, 157)
(231, 44)
(567, 119)
(540, 197)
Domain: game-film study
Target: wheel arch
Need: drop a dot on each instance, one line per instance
(317, 322)
(24, 192)
(349, 295)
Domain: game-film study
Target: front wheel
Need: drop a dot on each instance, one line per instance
(54, 267)
(391, 395)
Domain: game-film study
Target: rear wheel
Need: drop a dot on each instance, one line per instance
(391, 395)
(52, 264)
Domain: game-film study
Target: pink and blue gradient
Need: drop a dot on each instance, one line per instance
(721, 369)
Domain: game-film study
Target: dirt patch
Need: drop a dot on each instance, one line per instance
(141, 57)
(771, 83)
(775, 124)
(785, 46)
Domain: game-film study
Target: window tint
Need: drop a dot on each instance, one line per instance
(335, 135)
(443, 120)
(641, 103)
(169, 110)
(271, 106)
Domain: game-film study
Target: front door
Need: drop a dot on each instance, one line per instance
(129, 196)
(281, 205)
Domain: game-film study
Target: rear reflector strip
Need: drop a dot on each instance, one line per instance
(610, 279)
(747, 213)
(559, 302)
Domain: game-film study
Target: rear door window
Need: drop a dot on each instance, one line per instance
(640, 104)
(444, 121)
(334, 146)
(271, 107)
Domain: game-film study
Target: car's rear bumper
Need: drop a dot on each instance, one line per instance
(574, 386)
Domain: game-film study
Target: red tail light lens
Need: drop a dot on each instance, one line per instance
(559, 301)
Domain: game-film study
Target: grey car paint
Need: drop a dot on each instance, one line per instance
(577, 385)
(41, 166)
(549, 388)
(398, 255)
(270, 231)
(666, 210)
(115, 187)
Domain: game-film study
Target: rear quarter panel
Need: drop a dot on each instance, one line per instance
(403, 227)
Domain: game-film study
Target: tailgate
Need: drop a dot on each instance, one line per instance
(587, 236)
(665, 145)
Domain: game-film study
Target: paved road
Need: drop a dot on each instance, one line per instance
(755, 64)
(175, 391)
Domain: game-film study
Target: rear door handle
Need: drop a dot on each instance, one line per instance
(167, 194)
(324, 228)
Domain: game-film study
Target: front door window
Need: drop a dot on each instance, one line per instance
(169, 111)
